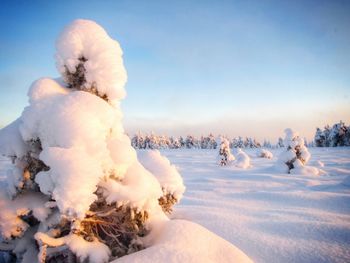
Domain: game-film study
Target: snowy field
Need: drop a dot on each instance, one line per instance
(272, 217)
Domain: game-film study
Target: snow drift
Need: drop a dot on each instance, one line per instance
(182, 241)
(242, 159)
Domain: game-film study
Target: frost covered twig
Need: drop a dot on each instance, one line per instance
(42, 238)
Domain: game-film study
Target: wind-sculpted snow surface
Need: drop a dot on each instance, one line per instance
(271, 216)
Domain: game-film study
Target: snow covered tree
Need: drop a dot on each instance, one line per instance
(326, 133)
(337, 135)
(256, 143)
(347, 137)
(225, 156)
(251, 143)
(176, 144)
(267, 144)
(204, 142)
(212, 144)
(76, 191)
(138, 141)
(319, 138)
(234, 143)
(182, 142)
(280, 143)
(295, 156)
(240, 142)
(190, 142)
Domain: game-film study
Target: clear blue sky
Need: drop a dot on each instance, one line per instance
(230, 67)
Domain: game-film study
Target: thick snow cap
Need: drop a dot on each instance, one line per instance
(84, 41)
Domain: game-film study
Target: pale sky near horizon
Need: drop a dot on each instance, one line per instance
(249, 68)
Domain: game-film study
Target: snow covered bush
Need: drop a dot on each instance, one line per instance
(295, 156)
(263, 153)
(77, 190)
(225, 157)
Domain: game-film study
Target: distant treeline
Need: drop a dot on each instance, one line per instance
(337, 135)
(153, 141)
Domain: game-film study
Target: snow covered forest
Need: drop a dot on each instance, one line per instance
(153, 141)
(337, 135)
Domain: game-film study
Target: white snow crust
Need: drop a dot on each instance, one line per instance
(270, 215)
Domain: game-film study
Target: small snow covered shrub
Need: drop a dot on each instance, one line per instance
(263, 153)
(225, 157)
(242, 159)
(295, 156)
(77, 191)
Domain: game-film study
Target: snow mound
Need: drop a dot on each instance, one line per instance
(242, 159)
(306, 170)
(85, 44)
(263, 153)
(183, 241)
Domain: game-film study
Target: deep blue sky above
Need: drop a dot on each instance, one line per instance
(231, 67)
